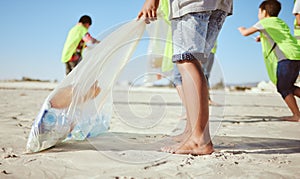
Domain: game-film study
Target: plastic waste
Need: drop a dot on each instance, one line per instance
(49, 127)
(160, 49)
(81, 105)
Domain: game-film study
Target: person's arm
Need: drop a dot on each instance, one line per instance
(149, 10)
(296, 12)
(245, 32)
(257, 39)
(89, 38)
(297, 19)
(95, 41)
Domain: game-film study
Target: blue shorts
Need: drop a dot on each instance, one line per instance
(194, 34)
(287, 74)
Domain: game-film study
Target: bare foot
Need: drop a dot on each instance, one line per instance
(182, 117)
(212, 103)
(184, 135)
(181, 137)
(291, 119)
(190, 147)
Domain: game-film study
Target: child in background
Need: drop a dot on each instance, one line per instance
(296, 12)
(75, 43)
(281, 53)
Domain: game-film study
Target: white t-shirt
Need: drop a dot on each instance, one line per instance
(296, 9)
(180, 8)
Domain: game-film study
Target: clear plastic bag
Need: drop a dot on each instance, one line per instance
(80, 106)
(160, 49)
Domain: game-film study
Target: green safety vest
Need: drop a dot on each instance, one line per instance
(297, 31)
(74, 37)
(279, 31)
(167, 63)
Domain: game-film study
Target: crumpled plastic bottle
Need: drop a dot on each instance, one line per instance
(50, 126)
(92, 126)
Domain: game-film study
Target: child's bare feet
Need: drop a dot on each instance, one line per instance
(212, 103)
(181, 137)
(185, 134)
(191, 146)
(292, 118)
(182, 117)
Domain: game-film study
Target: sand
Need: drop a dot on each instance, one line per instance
(249, 138)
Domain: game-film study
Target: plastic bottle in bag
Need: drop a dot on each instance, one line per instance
(101, 125)
(48, 121)
(102, 120)
(91, 127)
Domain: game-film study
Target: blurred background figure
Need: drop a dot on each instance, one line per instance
(76, 41)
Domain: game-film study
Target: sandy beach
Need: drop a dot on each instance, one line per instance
(249, 139)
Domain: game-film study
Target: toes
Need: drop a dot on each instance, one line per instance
(168, 149)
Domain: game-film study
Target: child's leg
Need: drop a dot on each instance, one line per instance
(287, 73)
(193, 38)
(178, 84)
(297, 92)
(292, 104)
(194, 82)
(290, 100)
(180, 94)
(187, 131)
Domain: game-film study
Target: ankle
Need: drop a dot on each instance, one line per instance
(201, 141)
(296, 115)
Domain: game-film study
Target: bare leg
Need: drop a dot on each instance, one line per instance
(292, 104)
(297, 92)
(212, 103)
(187, 130)
(180, 93)
(196, 97)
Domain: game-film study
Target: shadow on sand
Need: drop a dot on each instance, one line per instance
(250, 119)
(117, 142)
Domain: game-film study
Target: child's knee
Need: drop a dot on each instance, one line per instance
(285, 92)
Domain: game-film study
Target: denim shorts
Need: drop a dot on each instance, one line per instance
(206, 64)
(287, 74)
(177, 79)
(194, 34)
